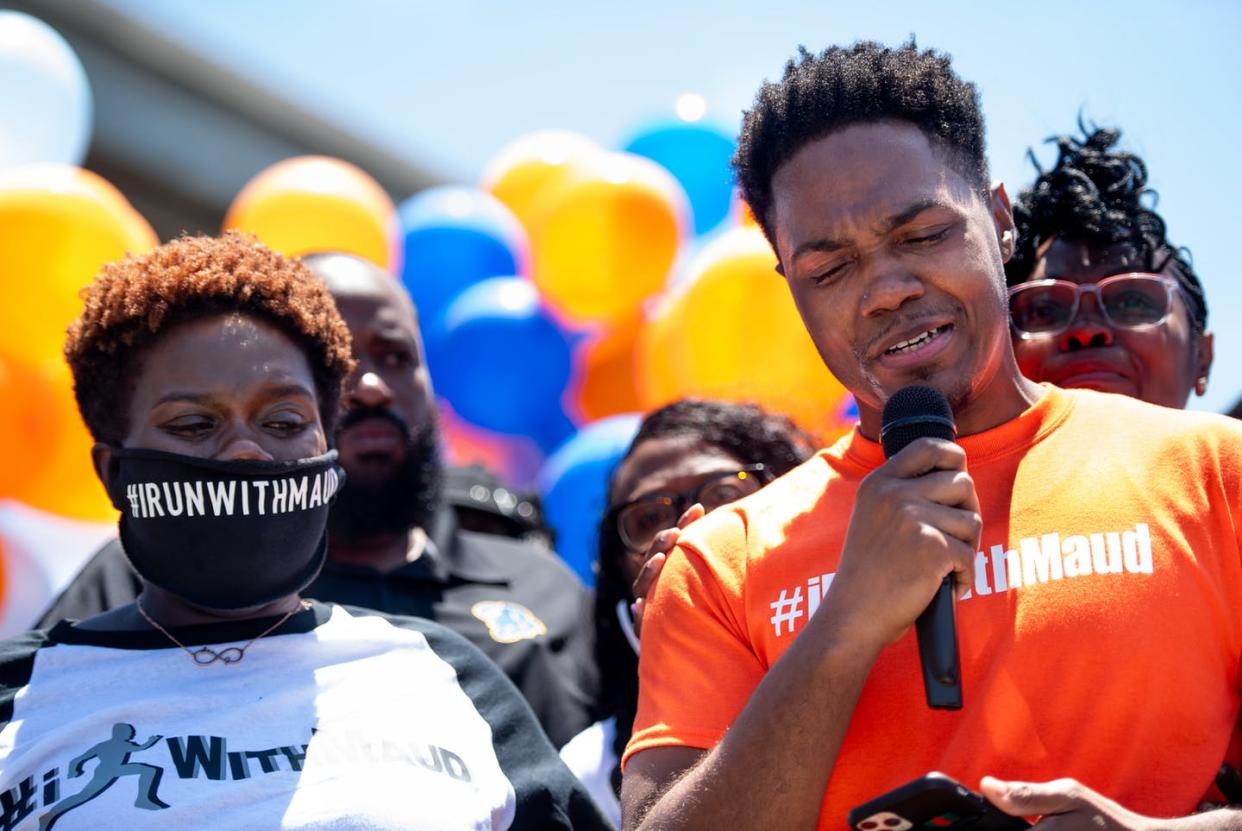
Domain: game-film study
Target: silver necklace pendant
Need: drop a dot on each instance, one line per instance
(205, 655)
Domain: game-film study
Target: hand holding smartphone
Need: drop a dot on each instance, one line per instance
(933, 802)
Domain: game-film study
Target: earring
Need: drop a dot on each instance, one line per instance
(1201, 385)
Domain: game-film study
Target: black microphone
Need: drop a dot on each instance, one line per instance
(912, 413)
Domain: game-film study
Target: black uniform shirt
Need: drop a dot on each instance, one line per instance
(516, 601)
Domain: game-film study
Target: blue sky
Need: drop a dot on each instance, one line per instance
(447, 84)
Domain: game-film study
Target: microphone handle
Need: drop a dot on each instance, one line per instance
(936, 628)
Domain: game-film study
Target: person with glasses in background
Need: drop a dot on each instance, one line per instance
(1099, 297)
(1083, 229)
(688, 458)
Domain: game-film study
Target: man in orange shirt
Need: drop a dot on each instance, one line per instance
(1094, 542)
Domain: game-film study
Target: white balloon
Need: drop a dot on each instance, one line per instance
(42, 553)
(45, 98)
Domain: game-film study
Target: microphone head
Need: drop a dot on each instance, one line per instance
(912, 413)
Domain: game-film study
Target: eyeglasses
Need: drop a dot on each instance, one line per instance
(637, 522)
(1045, 308)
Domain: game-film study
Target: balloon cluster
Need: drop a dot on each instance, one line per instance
(573, 287)
(576, 284)
(58, 225)
(638, 278)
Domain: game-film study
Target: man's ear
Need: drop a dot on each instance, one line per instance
(1002, 218)
(101, 458)
(1203, 358)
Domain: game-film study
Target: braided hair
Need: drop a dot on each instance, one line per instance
(1099, 195)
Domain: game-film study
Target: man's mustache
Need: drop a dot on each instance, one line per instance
(357, 415)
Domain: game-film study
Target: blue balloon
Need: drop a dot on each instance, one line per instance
(698, 156)
(573, 485)
(849, 409)
(501, 360)
(456, 237)
(555, 430)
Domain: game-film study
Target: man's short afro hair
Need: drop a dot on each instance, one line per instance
(842, 86)
(1099, 195)
(135, 300)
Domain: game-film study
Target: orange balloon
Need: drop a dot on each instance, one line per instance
(27, 427)
(527, 167)
(58, 226)
(606, 382)
(605, 238)
(317, 203)
(741, 210)
(733, 332)
(61, 477)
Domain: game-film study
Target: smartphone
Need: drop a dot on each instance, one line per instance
(934, 802)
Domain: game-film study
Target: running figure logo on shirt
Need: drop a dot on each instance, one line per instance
(208, 760)
(113, 763)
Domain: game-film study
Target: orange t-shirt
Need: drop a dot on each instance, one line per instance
(1101, 639)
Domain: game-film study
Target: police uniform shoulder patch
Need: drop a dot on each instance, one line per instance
(508, 622)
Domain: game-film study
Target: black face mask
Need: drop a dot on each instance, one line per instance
(224, 534)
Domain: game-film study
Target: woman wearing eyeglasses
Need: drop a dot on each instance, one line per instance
(1099, 298)
(687, 458)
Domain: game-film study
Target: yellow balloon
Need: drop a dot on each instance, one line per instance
(657, 363)
(732, 332)
(58, 225)
(317, 203)
(529, 166)
(605, 238)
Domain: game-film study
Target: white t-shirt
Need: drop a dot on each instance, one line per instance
(341, 719)
(591, 758)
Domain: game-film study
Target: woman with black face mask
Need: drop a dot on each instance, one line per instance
(209, 372)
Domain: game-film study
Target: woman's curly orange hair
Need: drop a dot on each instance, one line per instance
(135, 300)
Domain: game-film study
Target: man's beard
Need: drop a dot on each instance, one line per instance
(407, 498)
